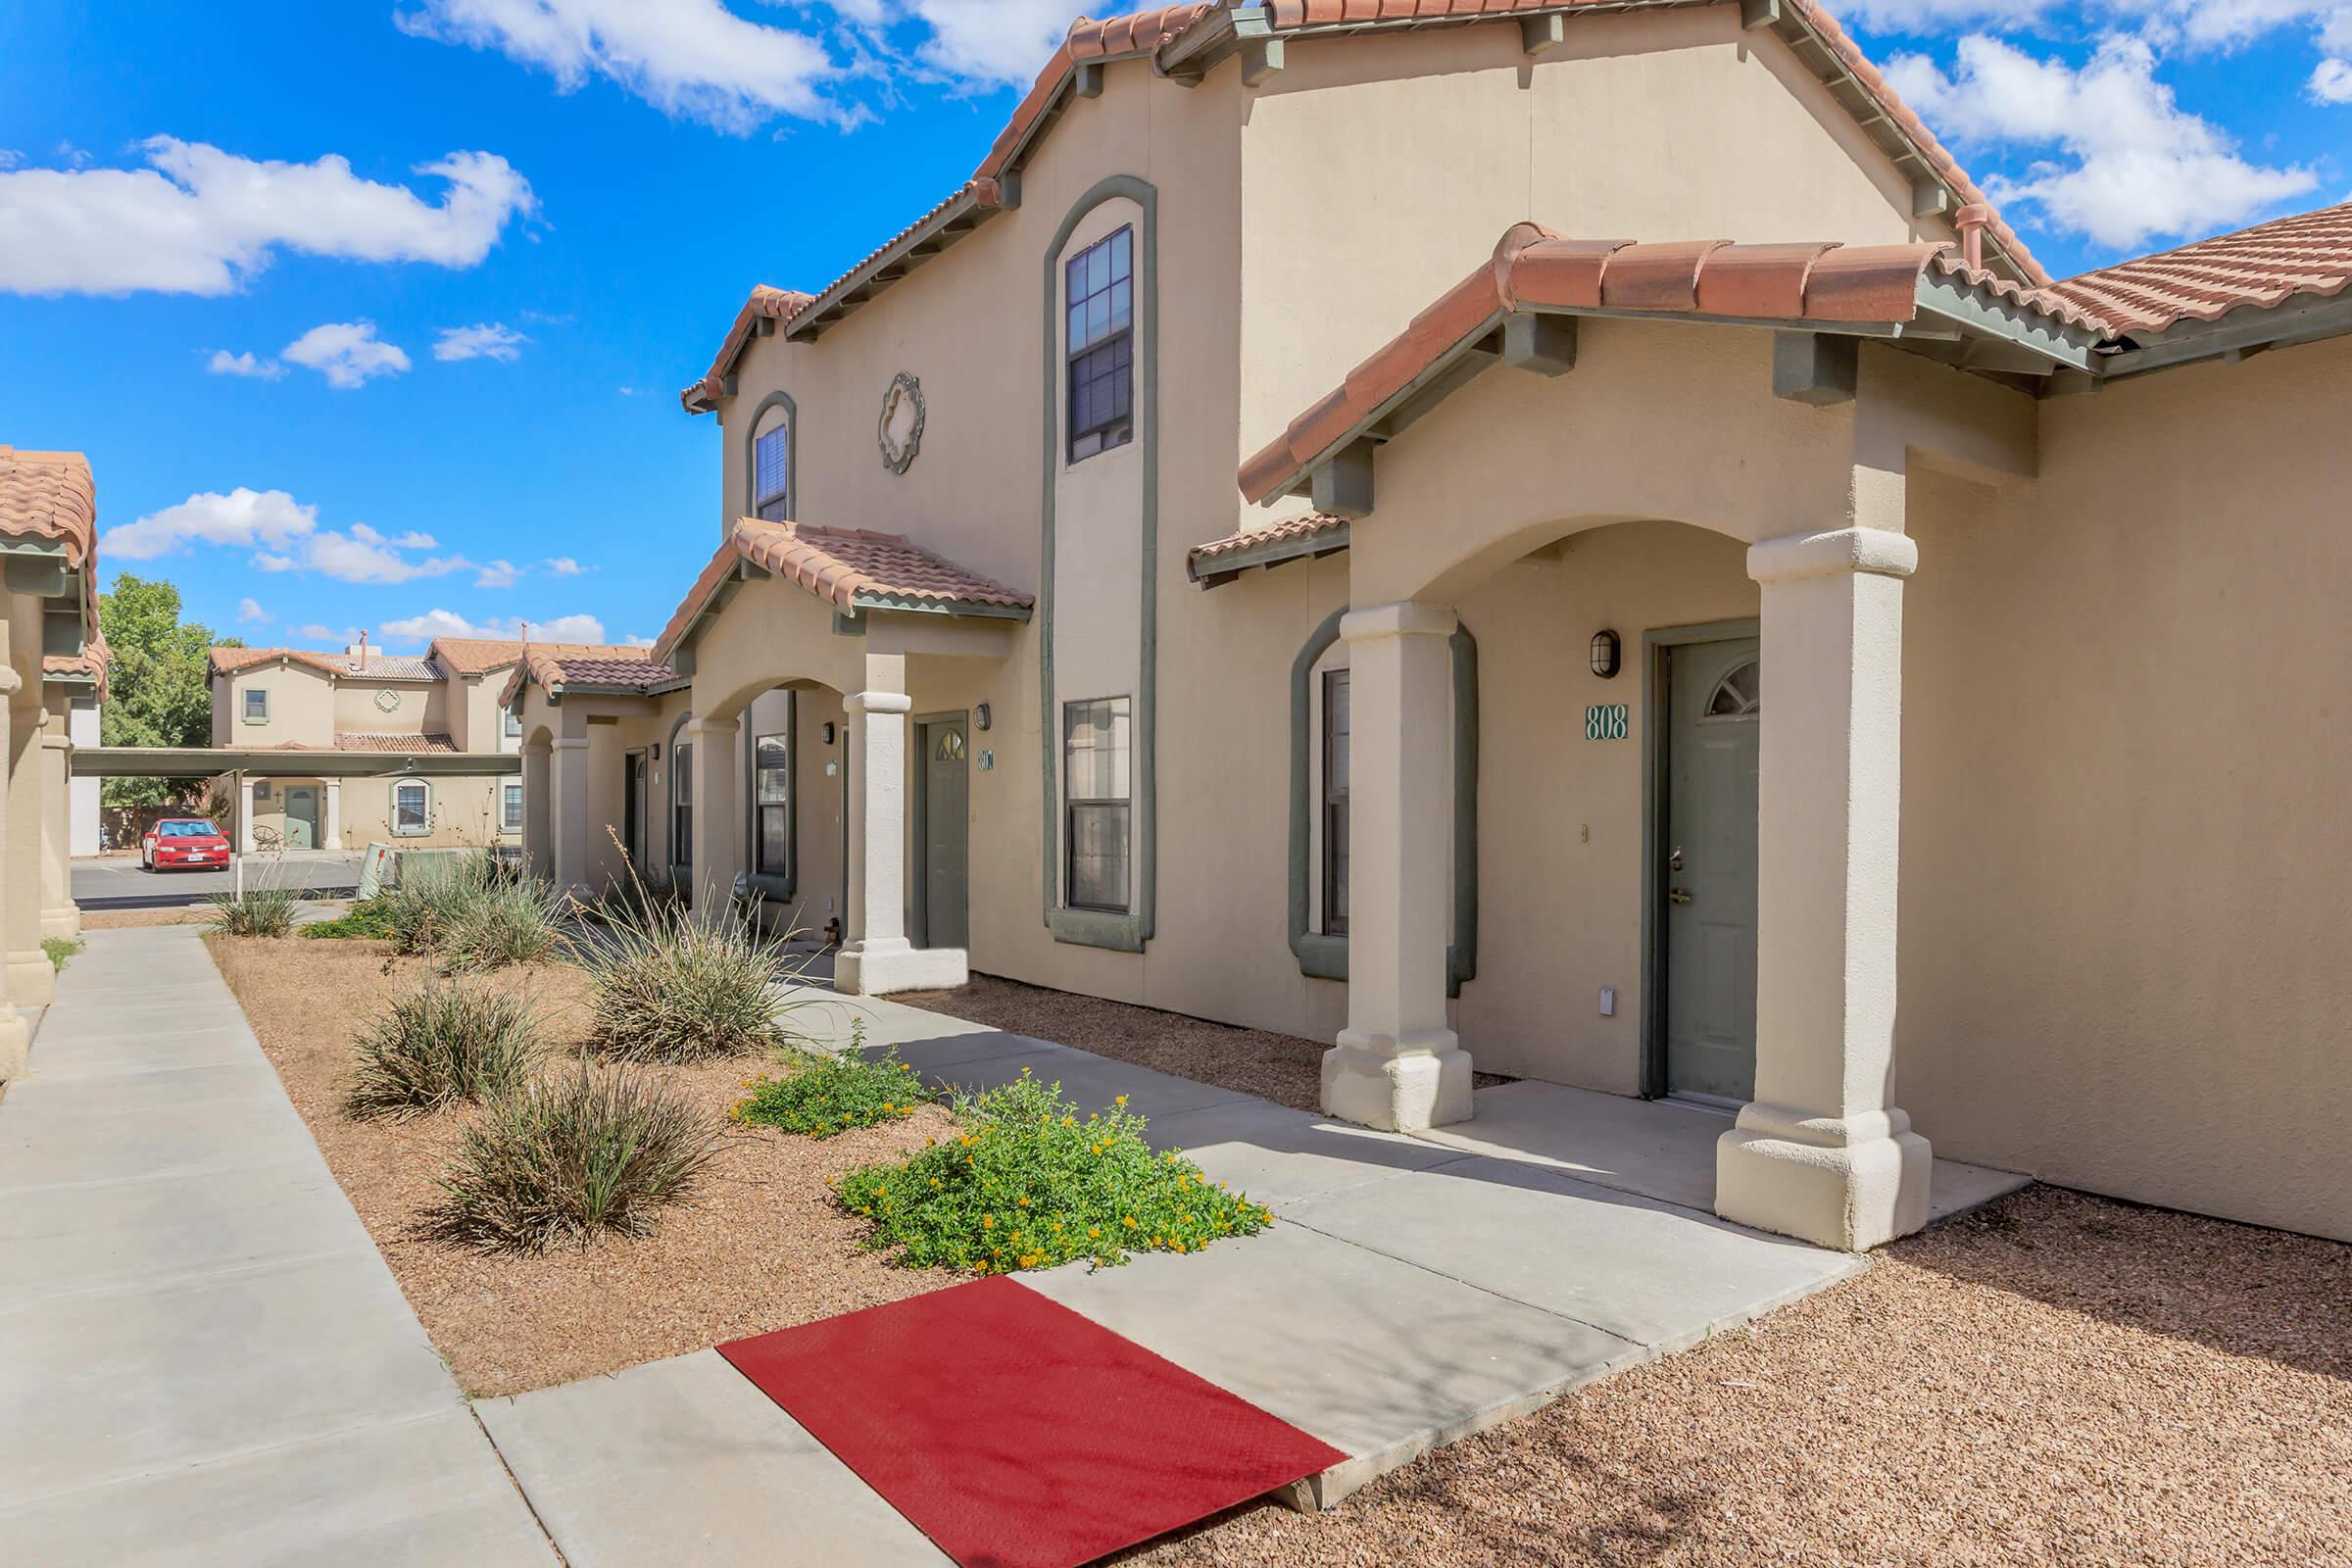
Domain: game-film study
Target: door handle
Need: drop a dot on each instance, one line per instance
(1677, 895)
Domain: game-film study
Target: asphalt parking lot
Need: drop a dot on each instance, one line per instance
(116, 881)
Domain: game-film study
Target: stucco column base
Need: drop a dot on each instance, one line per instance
(1404, 1086)
(15, 1044)
(65, 923)
(1850, 1183)
(879, 965)
(32, 978)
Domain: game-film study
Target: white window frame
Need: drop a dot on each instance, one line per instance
(245, 705)
(762, 497)
(510, 805)
(392, 810)
(1072, 802)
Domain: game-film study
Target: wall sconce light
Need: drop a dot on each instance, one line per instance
(982, 718)
(828, 732)
(654, 752)
(1605, 653)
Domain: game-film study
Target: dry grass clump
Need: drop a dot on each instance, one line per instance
(438, 1044)
(674, 986)
(563, 1160)
(474, 913)
(258, 912)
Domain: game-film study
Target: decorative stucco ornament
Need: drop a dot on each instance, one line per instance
(899, 433)
(387, 699)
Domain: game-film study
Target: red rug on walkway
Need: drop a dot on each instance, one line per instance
(1015, 1433)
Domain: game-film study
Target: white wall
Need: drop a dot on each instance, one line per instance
(82, 727)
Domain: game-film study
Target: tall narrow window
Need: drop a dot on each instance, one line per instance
(681, 806)
(772, 466)
(1100, 296)
(411, 807)
(1335, 802)
(257, 706)
(1097, 746)
(772, 795)
(510, 817)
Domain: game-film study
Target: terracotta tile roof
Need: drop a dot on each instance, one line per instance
(93, 662)
(380, 667)
(49, 495)
(555, 666)
(474, 656)
(1306, 526)
(1310, 533)
(2263, 267)
(363, 741)
(767, 303)
(1531, 266)
(848, 569)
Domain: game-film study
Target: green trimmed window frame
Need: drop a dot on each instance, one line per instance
(1322, 954)
(754, 503)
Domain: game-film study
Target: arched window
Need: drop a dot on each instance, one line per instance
(411, 807)
(771, 461)
(1739, 695)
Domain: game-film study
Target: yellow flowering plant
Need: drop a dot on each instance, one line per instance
(1090, 1185)
(821, 1095)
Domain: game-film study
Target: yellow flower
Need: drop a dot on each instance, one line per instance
(887, 1106)
(1024, 1202)
(1131, 1222)
(935, 1181)
(1014, 1237)
(1119, 1101)
(1180, 1246)
(1093, 1233)
(1024, 1072)
(967, 1140)
(1069, 1121)
(928, 1142)
(988, 1222)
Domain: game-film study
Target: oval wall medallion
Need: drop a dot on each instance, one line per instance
(899, 433)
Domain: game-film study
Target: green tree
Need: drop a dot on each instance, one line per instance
(159, 692)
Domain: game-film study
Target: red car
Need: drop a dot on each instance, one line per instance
(185, 841)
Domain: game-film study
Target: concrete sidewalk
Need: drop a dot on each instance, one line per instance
(203, 1357)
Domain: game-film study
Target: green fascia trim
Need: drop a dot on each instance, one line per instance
(963, 608)
(1224, 568)
(792, 455)
(1129, 932)
(1321, 955)
(2242, 330)
(53, 681)
(1654, 643)
(29, 546)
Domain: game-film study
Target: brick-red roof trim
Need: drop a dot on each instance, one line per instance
(2307, 255)
(50, 494)
(553, 666)
(92, 664)
(848, 569)
(1157, 34)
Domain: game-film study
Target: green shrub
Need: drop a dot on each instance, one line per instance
(368, 919)
(1029, 1183)
(674, 987)
(563, 1160)
(822, 1093)
(438, 1044)
(260, 911)
(59, 949)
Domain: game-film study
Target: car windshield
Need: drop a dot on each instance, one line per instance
(187, 830)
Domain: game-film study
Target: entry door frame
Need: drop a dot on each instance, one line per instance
(920, 885)
(310, 793)
(1657, 730)
(636, 784)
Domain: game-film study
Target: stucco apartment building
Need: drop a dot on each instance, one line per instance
(55, 668)
(364, 700)
(1569, 538)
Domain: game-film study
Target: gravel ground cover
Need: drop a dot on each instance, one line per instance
(2054, 1380)
(759, 1247)
(1283, 1068)
(124, 919)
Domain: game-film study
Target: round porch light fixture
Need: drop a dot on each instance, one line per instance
(1605, 653)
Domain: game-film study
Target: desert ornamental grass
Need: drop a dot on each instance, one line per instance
(1028, 1183)
(675, 985)
(440, 1043)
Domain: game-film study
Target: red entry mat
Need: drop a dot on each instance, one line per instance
(1015, 1433)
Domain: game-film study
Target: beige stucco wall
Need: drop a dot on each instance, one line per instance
(302, 706)
(462, 812)
(419, 706)
(2124, 840)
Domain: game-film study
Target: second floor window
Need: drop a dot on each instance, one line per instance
(257, 707)
(1100, 291)
(772, 466)
(510, 725)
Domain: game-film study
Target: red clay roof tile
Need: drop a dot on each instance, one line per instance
(49, 495)
(2309, 253)
(363, 741)
(558, 665)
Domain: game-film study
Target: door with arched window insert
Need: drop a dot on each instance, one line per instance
(940, 919)
(1714, 709)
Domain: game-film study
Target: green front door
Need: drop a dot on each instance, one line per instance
(1708, 872)
(302, 817)
(940, 913)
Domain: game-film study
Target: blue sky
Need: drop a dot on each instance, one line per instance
(373, 314)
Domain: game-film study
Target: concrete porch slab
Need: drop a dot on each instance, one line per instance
(1278, 1156)
(935, 1056)
(685, 1462)
(1659, 1275)
(1378, 1357)
(1091, 1081)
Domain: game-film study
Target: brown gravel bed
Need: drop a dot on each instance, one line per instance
(1283, 1068)
(2056, 1380)
(758, 1247)
(124, 919)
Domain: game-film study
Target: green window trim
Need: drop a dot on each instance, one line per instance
(1324, 956)
(792, 456)
(767, 884)
(1129, 932)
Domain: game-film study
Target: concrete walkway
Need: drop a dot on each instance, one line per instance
(203, 1357)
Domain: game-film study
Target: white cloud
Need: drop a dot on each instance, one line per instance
(2330, 83)
(317, 634)
(10, 158)
(360, 554)
(223, 363)
(992, 42)
(498, 575)
(346, 353)
(562, 566)
(2131, 164)
(486, 340)
(250, 610)
(200, 220)
(637, 639)
(439, 622)
(691, 59)
(252, 519)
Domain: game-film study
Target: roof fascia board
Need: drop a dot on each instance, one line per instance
(958, 217)
(965, 608)
(1946, 303)
(1224, 568)
(2303, 320)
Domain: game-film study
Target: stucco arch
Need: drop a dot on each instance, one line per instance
(766, 634)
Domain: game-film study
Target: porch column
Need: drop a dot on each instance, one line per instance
(715, 798)
(15, 1036)
(876, 957)
(244, 789)
(335, 815)
(1823, 1152)
(538, 811)
(568, 758)
(58, 915)
(31, 977)
(1396, 1065)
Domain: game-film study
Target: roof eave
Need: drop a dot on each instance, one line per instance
(979, 201)
(2250, 328)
